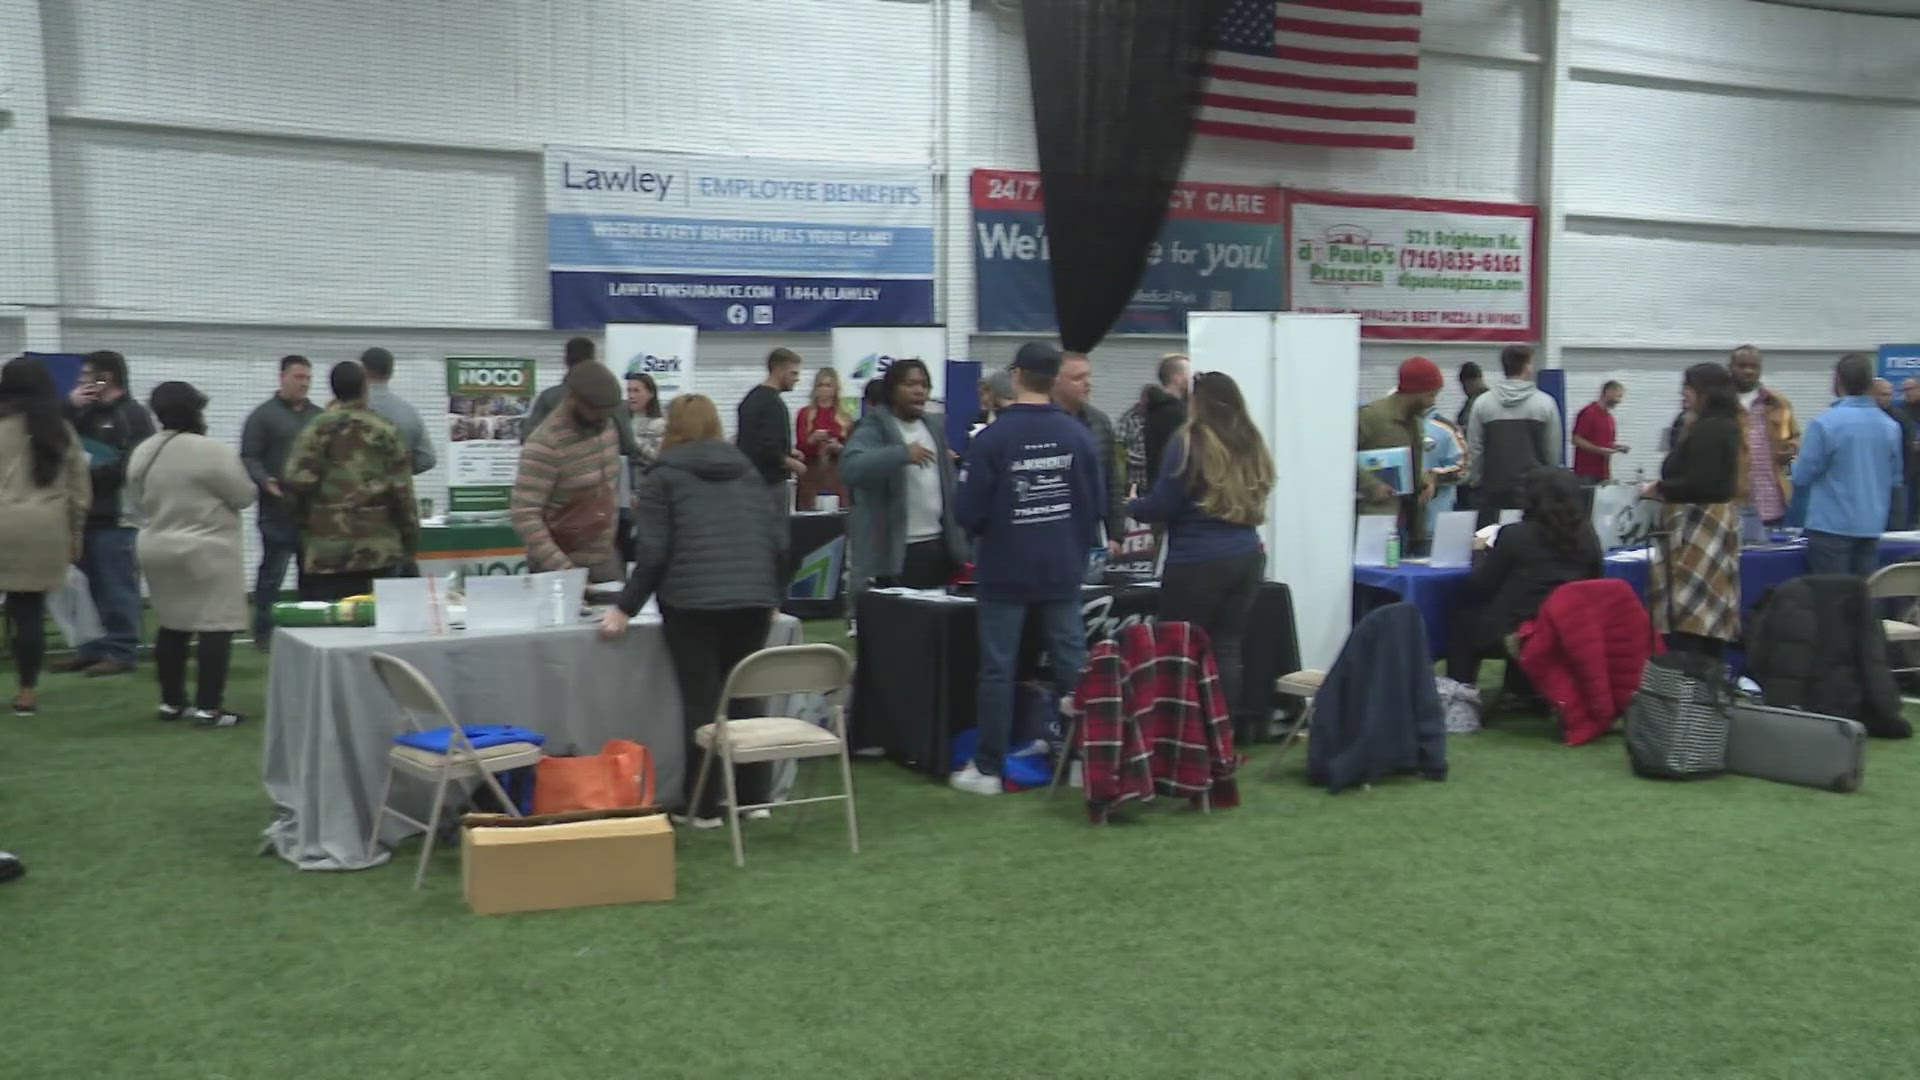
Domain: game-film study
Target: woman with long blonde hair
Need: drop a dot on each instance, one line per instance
(1211, 494)
(819, 434)
(712, 549)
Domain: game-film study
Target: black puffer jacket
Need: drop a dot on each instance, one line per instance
(706, 534)
(1816, 644)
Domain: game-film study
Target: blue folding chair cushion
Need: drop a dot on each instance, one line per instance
(435, 740)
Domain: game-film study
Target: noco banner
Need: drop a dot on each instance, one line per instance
(1416, 269)
(735, 243)
(1220, 250)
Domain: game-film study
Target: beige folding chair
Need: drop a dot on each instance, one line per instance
(1304, 685)
(417, 699)
(772, 673)
(1898, 581)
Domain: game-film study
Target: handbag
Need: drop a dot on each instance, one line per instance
(1677, 721)
(619, 776)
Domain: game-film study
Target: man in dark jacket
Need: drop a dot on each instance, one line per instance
(265, 441)
(1031, 494)
(1072, 392)
(1164, 409)
(1511, 430)
(110, 424)
(765, 430)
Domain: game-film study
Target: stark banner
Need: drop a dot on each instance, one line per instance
(735, 243)
(1415, 269)
(1218, 251)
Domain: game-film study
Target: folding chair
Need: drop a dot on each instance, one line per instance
(1898, 581)
(417, 698)
(771, 673)
(1304, 685)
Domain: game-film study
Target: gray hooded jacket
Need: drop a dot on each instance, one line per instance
(705, 537)
(1511, 428)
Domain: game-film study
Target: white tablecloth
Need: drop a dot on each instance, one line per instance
(330, 721)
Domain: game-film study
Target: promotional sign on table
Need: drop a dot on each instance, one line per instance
(861, 353)
(735, 243)
(1899, 363)
(663, 351)
(1220, 250)
(1415, 269)
(487, 403)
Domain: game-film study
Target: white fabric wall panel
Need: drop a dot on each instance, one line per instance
(1701, 157)
(1741, 43)
(258, 229)
(1671, 291)
(715, 76)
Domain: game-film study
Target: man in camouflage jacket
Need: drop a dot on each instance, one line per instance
(349, 485)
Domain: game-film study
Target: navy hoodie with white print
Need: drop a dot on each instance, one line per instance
(1030, 493)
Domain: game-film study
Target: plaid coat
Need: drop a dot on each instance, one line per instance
(1153, 718)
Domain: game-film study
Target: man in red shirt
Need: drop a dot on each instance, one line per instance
(1593, 436)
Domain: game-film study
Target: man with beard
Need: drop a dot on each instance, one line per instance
(564, 496)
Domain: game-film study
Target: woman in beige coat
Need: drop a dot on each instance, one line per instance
(44, 495)
(188, 491)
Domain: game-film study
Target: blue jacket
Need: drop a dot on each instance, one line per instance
(1031, 494)
(1378, 713)
(1193, 535)
(1850, 460)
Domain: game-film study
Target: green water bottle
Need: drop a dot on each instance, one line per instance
(1393, 549)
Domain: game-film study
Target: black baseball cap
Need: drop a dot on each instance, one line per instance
(1038, 357)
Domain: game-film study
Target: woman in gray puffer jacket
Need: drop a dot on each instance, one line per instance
(707, 543)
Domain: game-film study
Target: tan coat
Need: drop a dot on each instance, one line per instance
(187, 491)
(40, 527)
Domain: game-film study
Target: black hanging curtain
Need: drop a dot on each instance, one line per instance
(1115, 87)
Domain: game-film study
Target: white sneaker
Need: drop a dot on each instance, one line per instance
(1037, 746)
(971, 779)
(761, 814)
(698, 822)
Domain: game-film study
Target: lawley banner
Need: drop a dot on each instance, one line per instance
(736, 243)
(1416, 269)
(1220, 250)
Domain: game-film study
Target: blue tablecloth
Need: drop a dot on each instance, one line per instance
(1439, 592)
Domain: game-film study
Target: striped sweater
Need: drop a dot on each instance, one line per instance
(563, 466)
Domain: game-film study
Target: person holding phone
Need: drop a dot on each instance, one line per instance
(110, 424)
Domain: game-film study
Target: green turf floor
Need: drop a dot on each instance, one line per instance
(1540, 914)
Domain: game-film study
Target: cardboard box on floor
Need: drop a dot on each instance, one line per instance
(565, 860)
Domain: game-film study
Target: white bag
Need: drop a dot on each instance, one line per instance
(73, 612)
(1460, 703)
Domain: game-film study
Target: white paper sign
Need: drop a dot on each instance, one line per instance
(502, 603)
(660, 350)
(1510, 517)
(861, 353)
(1370, 533)
(1453, 539)
(409, 606)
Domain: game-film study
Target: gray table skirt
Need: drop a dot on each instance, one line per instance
(330, 722)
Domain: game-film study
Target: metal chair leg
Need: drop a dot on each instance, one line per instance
(692, 808)
(1293, 735)
(733, 810)
(1066, 754)
(433, 830)
(846, 778)
(380, 814)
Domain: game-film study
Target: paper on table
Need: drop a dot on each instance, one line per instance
(502, 603)
(1370, 532)
(1490, 534)
(409, 606)
(1453, 539)
(1509, 517)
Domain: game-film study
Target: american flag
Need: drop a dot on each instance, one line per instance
(1329, 72)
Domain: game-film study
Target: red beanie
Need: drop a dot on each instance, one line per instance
(1420, 375)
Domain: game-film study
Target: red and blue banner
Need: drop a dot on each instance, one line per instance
(1220, 250)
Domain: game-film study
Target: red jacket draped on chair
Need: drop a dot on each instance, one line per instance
(1584, 653)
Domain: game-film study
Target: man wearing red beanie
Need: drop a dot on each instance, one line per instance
(1395, 420)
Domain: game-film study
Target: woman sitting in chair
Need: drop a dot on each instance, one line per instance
(1552, 543)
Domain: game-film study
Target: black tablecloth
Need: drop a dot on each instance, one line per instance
(817, 544)
(919, 663)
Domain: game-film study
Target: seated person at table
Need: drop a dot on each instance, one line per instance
(564, 496)
(901, 529)
(711, 547)
(1553, 543)
(1032, 493)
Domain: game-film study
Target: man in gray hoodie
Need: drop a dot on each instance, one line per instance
(1510, 429)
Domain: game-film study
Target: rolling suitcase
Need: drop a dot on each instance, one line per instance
(1793, 747)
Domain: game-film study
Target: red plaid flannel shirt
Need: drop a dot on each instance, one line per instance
(1153, 719)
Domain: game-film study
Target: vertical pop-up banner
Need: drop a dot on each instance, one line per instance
(488, 399)
(861, 353)
(662, 350)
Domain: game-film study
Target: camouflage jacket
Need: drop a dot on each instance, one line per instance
(349, 485)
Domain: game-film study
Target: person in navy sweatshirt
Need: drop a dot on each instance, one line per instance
(1030, 495)
(1211, 494)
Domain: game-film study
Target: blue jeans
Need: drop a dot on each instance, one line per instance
(1001, 623)
(275, 554)
(1829, 553)
(113, 579)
